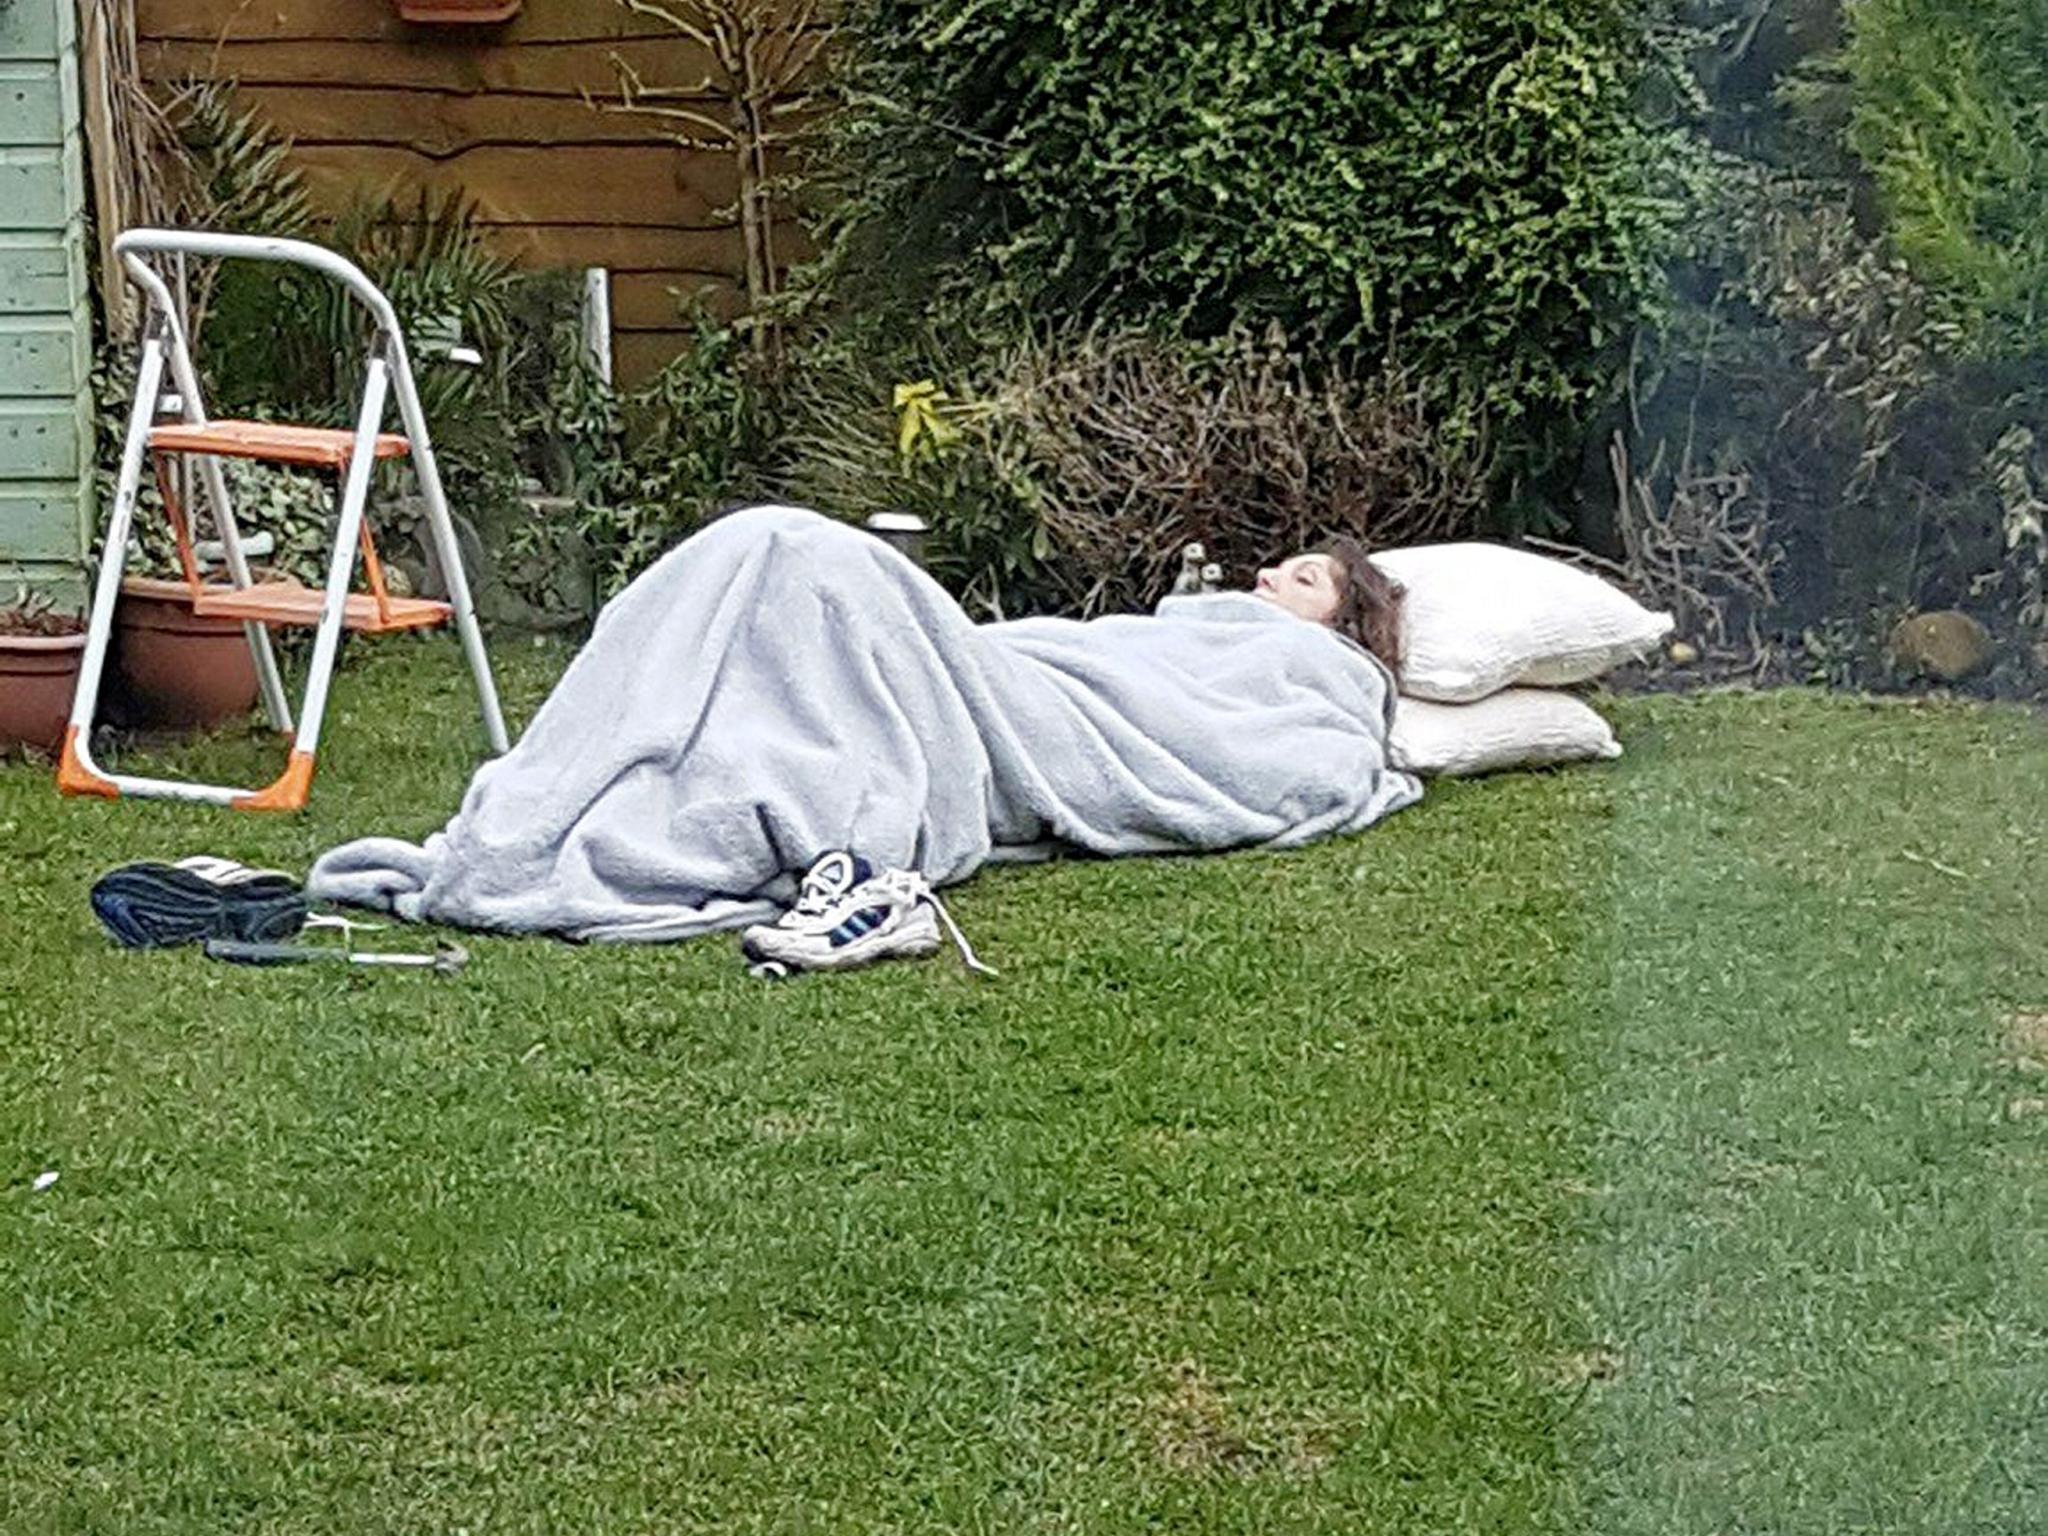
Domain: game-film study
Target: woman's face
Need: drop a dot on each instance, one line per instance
(1306, 586)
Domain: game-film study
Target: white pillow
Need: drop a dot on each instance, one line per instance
(1480, 617)
(1520, 728)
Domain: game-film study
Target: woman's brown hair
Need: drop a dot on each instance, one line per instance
(1368, 602)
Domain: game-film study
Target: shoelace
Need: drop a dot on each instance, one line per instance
(343, 925)
(815, 897)
(916, 888)
(967, 956)
(823, 886)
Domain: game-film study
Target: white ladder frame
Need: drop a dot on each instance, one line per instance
(388, 370)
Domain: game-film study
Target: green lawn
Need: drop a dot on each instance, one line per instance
(1654, 1147)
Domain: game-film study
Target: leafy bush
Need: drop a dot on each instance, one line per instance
(1466, 178)
(292, 341)
(1832, 429)
(843, 448)
(649, 466)
(215, 165)
(1949, 111)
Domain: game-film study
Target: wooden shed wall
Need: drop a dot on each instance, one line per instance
(503, 113)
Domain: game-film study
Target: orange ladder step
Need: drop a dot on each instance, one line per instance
(289, 602)
(273, 441)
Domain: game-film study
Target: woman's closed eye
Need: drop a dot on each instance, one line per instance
(1304, 586)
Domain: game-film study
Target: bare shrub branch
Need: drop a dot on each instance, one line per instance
(1697, 542)
(1137, 447)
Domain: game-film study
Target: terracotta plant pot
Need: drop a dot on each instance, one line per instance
(174, 667)
(450, 12)
(38, 675)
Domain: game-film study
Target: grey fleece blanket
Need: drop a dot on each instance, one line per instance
(781, 685)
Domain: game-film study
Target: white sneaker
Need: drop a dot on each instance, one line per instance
(849, 914)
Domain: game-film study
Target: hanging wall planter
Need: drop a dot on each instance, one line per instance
(441, 13)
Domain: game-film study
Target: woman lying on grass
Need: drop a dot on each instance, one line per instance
(1339, 587)
(781, 687)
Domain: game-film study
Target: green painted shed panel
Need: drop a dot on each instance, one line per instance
(45, 314)
(43, 356)
(39, 440)
(38, 101)
(35, 515)
(38, 29)
(40, 185)
(41, 274)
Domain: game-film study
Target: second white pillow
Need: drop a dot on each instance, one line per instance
(1520, 728)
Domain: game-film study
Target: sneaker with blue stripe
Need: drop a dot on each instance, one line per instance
(850, 914)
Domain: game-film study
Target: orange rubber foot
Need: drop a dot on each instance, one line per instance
(288, 792)
(74, 778)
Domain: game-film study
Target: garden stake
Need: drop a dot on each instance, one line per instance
(447, 959)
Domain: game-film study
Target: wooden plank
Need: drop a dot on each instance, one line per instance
(564, 69)
(630, 250)
(37, 29)
(42, 355)
(519, 185)
(653, 301)
(540, 22)
(104, 35)
(624, 249)
(438, 124)
(35, 275)
(638, 356)
(39, 440)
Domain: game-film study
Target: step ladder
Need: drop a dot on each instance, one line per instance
(349, 455)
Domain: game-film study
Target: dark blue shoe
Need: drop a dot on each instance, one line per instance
(160, 906)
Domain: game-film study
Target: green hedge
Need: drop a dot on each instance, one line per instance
(1466, 182)
(1950, 114)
